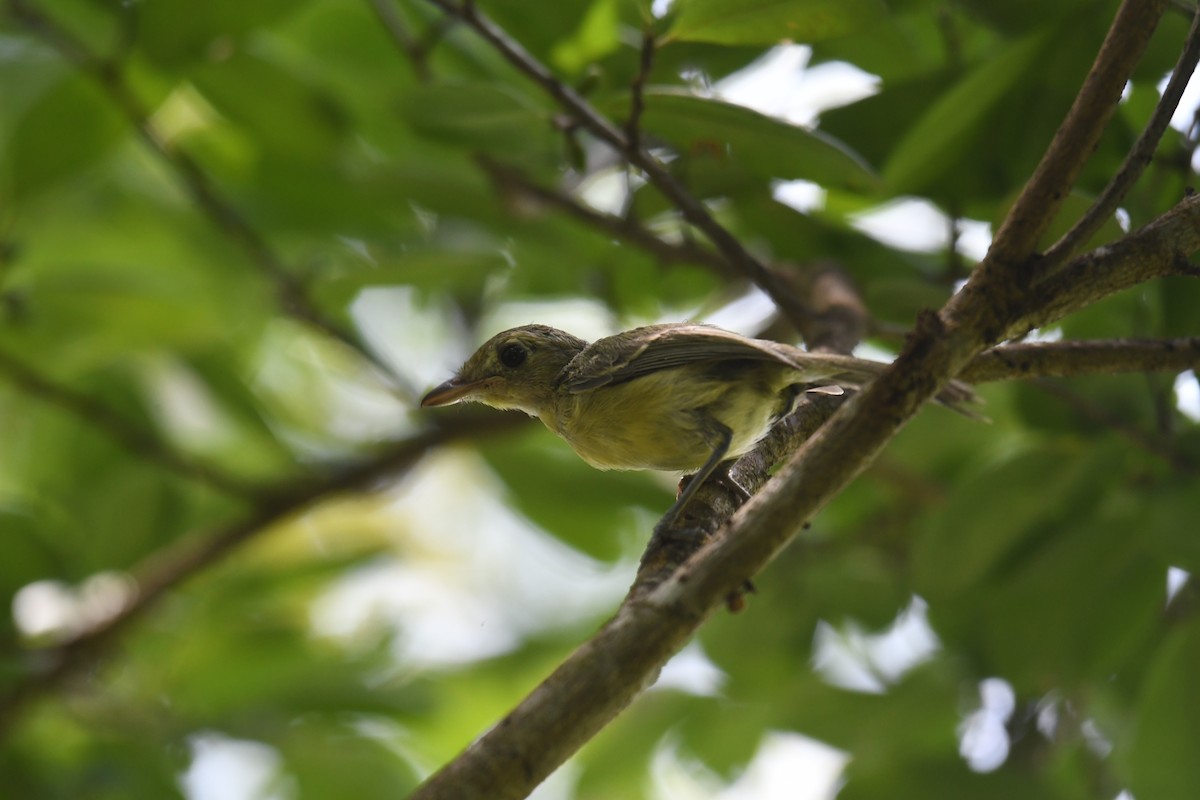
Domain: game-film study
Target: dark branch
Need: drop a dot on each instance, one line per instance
(415, 49)
(1070, 359)
(637, 99)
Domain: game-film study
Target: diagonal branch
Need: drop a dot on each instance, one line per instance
(605, 674)
(606, 131)
(715, 503)
(1156, 250)
(49, 668)
(626, 230)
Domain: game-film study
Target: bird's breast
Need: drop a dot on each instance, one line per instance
(671, 419)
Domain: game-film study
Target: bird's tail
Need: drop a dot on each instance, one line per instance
(851, 371)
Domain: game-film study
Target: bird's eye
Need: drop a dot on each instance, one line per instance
(513, 355)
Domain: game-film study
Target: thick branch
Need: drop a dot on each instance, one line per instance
(597, 681)
(603, 129)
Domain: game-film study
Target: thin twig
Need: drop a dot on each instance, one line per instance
(292, 297)
(1075, 358)
(509, 178)
(606, 673)
(1138, 158)
(602, 128)
(413, 49)
(637, 88)
(989, 303)
(136, 440)
(1076, 138)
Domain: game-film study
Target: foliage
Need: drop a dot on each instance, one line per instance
(237, 239)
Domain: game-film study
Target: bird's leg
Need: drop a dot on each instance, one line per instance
(722, 475)
(688, 487)
(688, 491)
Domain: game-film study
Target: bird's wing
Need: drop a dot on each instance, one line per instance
(641, 351)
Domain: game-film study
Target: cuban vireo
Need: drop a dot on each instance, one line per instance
(676, 396)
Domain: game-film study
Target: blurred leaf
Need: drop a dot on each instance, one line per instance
(597, 36)
(327, 763)
(946, 131)
(765, 146)
(493, 118)
(1161, 760)
(540, 470)
(919, 778)
(64, 133)
(287, 116)
(175, 33)
(769, 21)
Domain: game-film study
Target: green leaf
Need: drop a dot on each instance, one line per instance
(286, 115)
(1162, 759)
(589, 509)
(766, 147)
(596, 37)
(67, 131)
(942, 137)
(491, 117)
(770, 21)
(174, 33)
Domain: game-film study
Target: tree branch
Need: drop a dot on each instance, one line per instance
(1156, 250)
(626, 230)
(1075, 358)
(604, 675)
(415, 49)
(1138, 158)
(133, 438)
(48, 668)
(603, 129)
(1077, 136)
(637, 99)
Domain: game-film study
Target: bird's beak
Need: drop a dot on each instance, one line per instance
(449, 392)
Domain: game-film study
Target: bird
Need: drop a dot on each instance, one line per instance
(678, 396)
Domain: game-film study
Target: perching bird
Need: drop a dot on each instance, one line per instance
(677, 396)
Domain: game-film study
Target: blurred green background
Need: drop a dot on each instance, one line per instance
(241, 238)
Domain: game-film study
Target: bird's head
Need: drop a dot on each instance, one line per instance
(517, 368)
